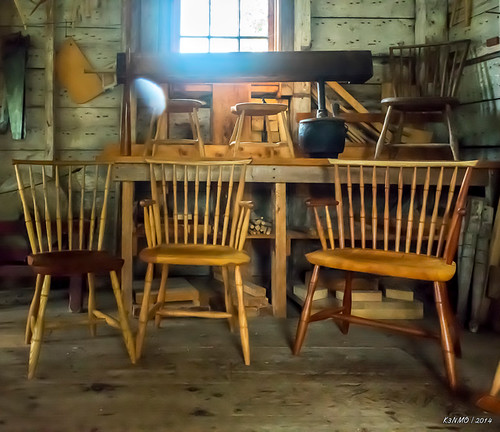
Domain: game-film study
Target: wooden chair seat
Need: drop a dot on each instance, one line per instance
(385, 263)
(194, 254)
(258, 109)
(420, 104)
(67, 263)
(183, 105)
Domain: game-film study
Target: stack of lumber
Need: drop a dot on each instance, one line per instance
(254, 296)
(259, 226)
(368, 301)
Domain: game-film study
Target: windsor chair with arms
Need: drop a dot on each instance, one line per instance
(425, 78)
(65, 207)
(196, 217)
(399, 219)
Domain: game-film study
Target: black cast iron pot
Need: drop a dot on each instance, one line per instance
(322, 137)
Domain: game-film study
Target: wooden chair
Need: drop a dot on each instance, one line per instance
(65, 207)
(398, 219)
(196, 217)
(425, 78)
(183, 106)
(253, 109)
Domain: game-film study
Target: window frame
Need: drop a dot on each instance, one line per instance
(175, 36)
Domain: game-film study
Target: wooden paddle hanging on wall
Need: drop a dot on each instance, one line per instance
(71, 66)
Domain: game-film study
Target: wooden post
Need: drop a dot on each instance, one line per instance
(127, 230)
(278, 288)
(301, 100)
(431, 21)
(49, 80)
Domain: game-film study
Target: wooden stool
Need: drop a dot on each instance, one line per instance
(187, 106)
(263, 110)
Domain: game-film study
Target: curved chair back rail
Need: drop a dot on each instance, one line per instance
(395, 206)
(427, 70)
(197, 203)
(64, 203)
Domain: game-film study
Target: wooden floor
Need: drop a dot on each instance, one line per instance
(192, 378)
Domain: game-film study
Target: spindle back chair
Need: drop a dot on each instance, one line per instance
(196, 217)
(399, 219)
(425, 78)
(65, 209)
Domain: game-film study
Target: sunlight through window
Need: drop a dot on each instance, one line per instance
(224, 25)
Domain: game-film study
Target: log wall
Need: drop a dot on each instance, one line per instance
(479, 93)
(81, 130)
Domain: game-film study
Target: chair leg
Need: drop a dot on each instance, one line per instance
(239, 132)
(36, 340)
(446, 338)
(91, 304)
(383, 132)
(455, 329)
(283, 124)
(195, 122)
(242, 316)
(228, 297)
(33, 311)
(398, 135)
(122, 317)
(306, 312)
(161, 292)
(346, 302)
(143, 317)
(451, 133)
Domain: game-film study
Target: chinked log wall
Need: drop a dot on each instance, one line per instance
(479, 93)
(81, 130)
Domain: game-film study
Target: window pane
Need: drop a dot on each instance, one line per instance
(223, 45)
(194, 18)
(193, 45)
(254, 17)
(254, 45)
(224, 19)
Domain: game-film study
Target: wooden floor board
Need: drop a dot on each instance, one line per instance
(192, 378)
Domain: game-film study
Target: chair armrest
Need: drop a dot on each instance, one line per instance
(246, 204)
(321, 202)
(242, 224)
(315, 204)
(147, 202)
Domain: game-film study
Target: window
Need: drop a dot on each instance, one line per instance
(225, 25)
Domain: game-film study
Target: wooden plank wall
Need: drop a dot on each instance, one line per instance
(363, 24)
(81, 130)
(479, 93)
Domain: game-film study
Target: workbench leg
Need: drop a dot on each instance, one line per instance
(127, 230)
(278, 283)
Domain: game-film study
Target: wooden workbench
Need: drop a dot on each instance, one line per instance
(279, 172)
